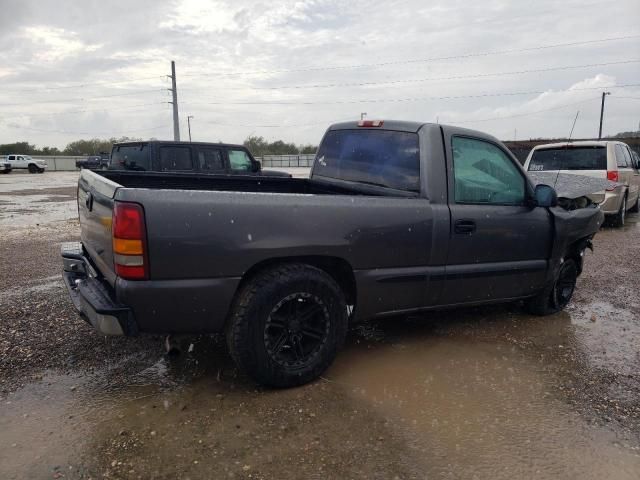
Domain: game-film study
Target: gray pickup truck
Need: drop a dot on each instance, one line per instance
(396, 217)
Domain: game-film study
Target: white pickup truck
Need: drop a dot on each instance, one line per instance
(26, 162)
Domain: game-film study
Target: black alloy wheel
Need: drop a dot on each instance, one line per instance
(296, 329)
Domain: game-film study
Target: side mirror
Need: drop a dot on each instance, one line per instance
(545, 196)
(257, 166)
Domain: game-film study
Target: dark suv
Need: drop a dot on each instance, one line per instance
(187, 157)
(94, 162)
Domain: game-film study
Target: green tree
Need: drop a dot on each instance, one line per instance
(24, 148)
(94, 146)
(308, 148)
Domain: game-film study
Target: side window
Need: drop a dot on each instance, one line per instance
(20, 158)
(627, 156)
(239, 160)
(12, 158)
(621, 160)
(484, 174)
(175, 159)
(210, 160)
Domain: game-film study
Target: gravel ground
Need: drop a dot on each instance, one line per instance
(488, 392)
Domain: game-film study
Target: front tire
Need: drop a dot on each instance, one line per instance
(557, 295)
(287, 325)
(32, 168)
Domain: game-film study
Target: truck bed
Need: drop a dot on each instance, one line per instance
(234, 183)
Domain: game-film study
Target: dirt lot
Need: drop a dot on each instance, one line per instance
(481, 393)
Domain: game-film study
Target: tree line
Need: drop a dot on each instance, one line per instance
(256, 145)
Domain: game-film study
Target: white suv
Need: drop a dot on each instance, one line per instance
(26, 162)
(602, 159)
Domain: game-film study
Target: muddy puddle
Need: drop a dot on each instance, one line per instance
(428, 397)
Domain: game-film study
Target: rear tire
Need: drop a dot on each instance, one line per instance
(287, 325)
(557, 295)
(618, 219)
(32, 168)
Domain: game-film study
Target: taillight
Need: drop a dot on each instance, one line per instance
(612, 175)
(370, 123)
(129, 241)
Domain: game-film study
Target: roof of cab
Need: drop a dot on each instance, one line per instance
(580, 143)
(173, 142)
(397, 125)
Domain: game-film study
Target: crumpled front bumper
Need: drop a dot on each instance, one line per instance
(92, 297)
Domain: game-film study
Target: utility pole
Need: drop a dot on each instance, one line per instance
(574, 124)
(174, 94)
(189, 117)
(604, 94)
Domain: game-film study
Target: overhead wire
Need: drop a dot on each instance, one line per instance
(430, 79)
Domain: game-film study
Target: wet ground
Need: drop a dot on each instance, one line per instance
(481, 393)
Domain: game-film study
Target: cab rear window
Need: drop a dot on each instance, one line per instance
(131, 157)
(571, 158)
(376, 157)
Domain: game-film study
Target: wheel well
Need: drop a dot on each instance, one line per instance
(339, 269)
(575, 250)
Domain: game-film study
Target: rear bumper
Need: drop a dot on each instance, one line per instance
(91, 297)
(612, 201)
(150, 306)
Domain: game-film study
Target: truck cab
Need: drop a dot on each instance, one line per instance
(187, 157)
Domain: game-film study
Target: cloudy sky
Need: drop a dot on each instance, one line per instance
(286, 70)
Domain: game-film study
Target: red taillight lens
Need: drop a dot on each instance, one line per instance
(129, 241)
(370, 123)
(128, 221)
(613, 175)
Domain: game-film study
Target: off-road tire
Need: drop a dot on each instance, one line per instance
(41, 170)
(32, 168)
(618, 219)
(246, 329)
(550, 300)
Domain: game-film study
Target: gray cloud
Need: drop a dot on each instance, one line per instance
(47, 46)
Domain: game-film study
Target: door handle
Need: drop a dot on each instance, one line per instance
(89, 201)
(464, 226)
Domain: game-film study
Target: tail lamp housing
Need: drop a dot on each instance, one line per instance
(129, 241)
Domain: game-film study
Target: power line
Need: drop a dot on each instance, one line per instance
(84, 110)
(430, 79)
(92, 84)
(81, 99)
(18, 127)
(326, 122)
(630, 98)
(413, 99)
(418, 60)
(528, 114)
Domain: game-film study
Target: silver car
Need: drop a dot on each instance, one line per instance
(601, 159)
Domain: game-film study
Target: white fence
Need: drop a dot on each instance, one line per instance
(301, 160)
(61, 163)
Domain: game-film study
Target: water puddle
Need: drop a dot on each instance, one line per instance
(413, 399)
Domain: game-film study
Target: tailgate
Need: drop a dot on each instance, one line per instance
(95, 207)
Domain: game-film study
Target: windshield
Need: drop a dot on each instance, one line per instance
(378, 157)
(569, 158)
